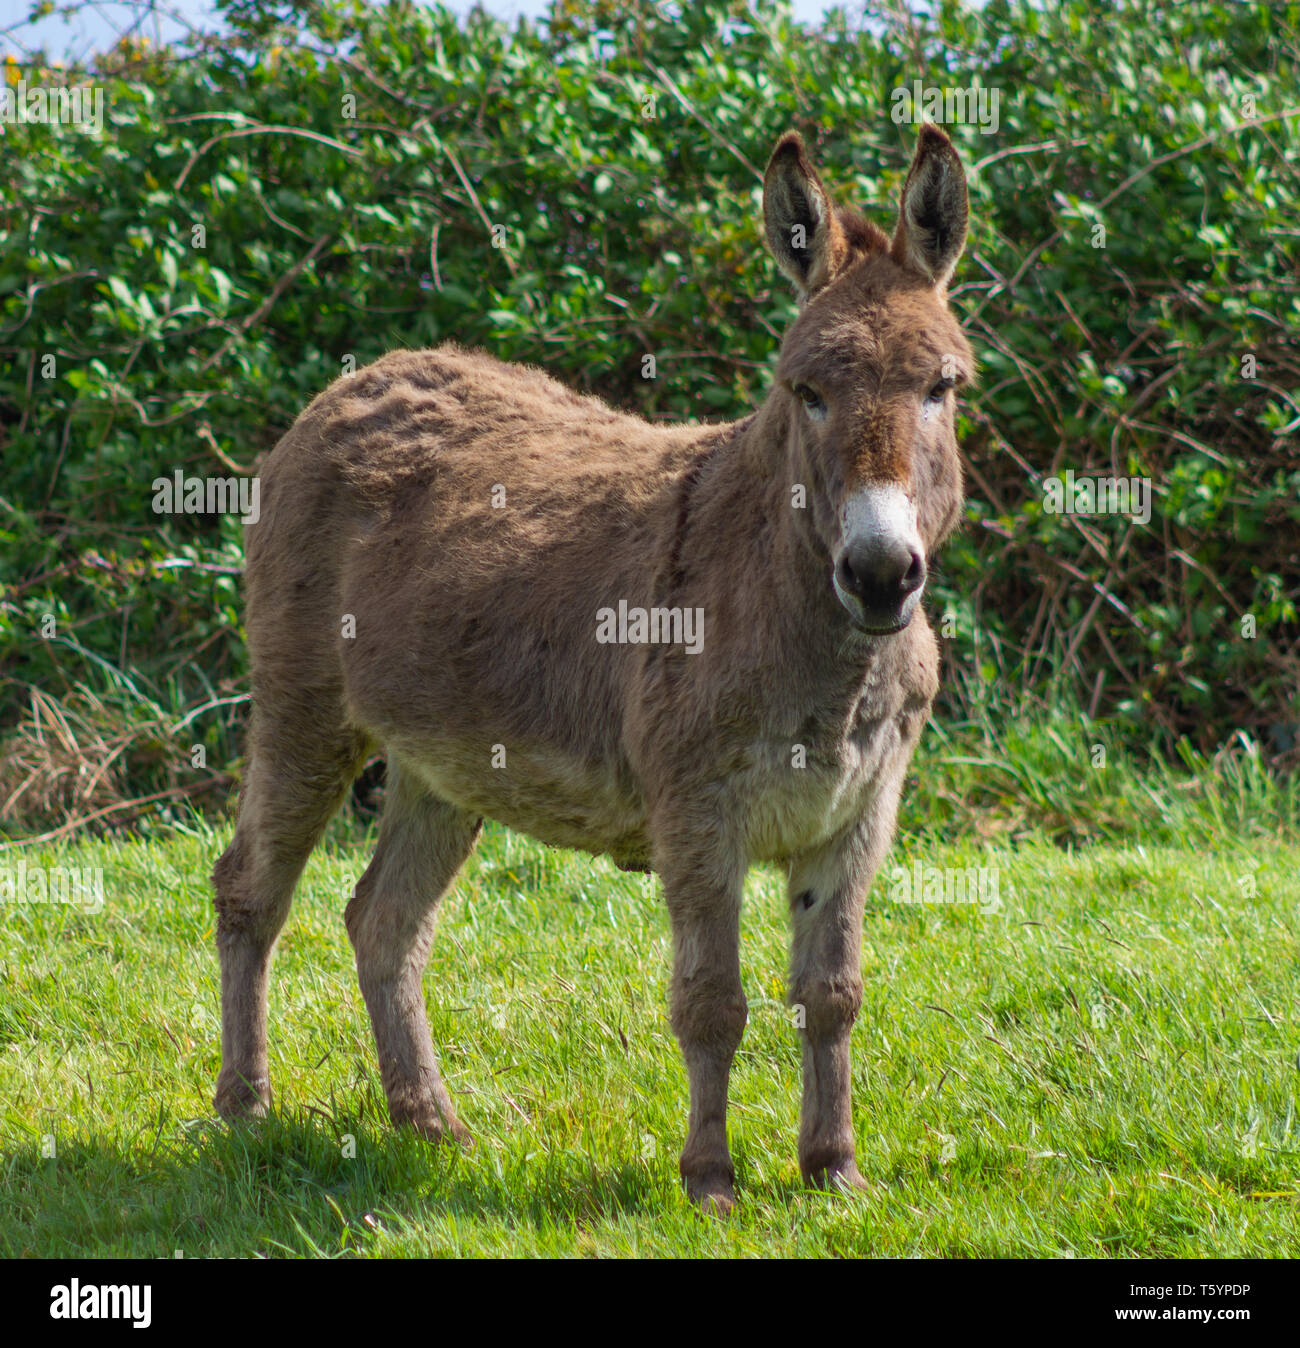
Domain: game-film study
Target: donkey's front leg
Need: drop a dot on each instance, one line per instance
(828, 890)
(708, 1007)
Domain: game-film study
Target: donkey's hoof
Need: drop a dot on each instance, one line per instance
(240, 1098)
(836, 1176)
(432, 1124)
(717, 1204)
(714, 1195)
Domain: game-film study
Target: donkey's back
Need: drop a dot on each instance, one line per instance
(438, 532)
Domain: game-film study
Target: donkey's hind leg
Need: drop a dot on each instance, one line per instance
(295, 780)
(422, 843)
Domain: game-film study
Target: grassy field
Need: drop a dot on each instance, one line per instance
(1105, 1066)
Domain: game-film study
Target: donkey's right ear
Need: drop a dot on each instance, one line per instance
(806, 239)
(931, 229)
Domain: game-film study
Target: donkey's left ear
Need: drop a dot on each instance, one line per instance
(806, 239)
(931, 229)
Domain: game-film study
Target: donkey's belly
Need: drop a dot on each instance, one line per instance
(544, 793)
(594, 805)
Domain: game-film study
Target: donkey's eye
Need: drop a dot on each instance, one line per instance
(812, 402)
(936, 394)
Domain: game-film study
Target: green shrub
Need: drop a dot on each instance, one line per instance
(343, 165)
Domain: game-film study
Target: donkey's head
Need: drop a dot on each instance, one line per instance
(869, 372)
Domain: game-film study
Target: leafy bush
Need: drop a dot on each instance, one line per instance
(322, 182)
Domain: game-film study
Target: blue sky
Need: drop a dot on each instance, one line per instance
(96, 23)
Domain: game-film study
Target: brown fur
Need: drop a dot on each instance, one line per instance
(475, 628)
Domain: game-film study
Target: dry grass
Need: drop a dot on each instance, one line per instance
(70, 763)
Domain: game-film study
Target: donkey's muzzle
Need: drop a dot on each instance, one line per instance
(879, 581)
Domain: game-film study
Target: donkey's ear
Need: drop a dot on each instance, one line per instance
(931, 229)
(806, 239)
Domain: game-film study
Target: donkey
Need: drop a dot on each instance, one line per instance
(439, 538)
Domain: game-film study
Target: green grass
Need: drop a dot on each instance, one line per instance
(1011, 771)
(1107, 1066)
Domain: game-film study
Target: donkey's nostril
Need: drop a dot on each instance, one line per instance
(881, 573)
